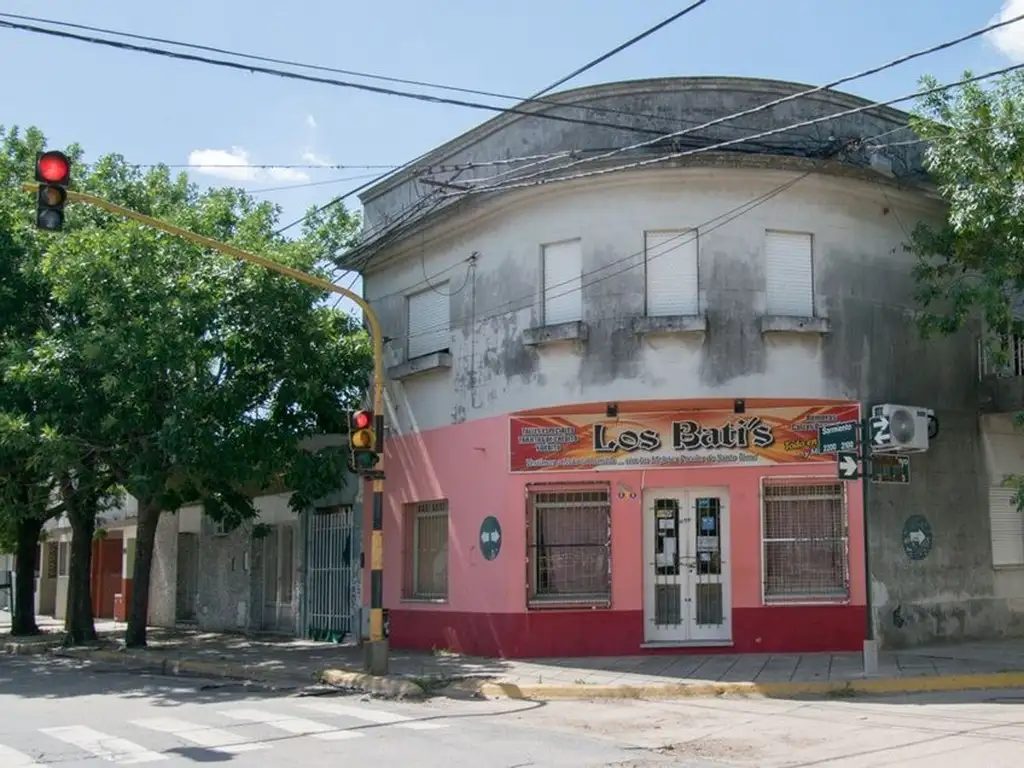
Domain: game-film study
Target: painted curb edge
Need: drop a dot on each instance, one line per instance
(895, 685)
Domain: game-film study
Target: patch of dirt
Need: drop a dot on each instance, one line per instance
(713, 749)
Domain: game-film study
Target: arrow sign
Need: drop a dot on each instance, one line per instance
(879, 428)
(847, 465)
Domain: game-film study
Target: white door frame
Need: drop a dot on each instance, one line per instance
(682, 628)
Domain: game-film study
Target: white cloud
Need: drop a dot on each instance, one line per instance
(311, 122)
(287, 174)
(234, 165)
(314, 159)
(1009, 40)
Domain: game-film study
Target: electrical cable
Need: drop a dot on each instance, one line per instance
(255, 69)
(802, 94)
(384, 78)
(730, 142)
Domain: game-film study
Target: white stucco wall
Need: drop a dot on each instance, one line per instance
(851, 221)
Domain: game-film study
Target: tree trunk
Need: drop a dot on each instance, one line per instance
(78, 623)
(23, 621)
(138, 614)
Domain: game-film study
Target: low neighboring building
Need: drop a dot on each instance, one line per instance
(604, 393)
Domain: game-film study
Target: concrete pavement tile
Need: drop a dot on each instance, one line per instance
(715, 667)
(812, 666)
(746, 669)
(778, 669)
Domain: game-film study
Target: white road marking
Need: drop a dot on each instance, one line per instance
(370, 715)
(294, 725)
(101, 745)
(12, 758)
(200, 735)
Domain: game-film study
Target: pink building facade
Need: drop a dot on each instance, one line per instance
(672, 524)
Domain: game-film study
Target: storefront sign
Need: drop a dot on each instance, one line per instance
(672, 439)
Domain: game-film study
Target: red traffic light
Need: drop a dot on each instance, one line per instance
(362, 420)
(53, 168)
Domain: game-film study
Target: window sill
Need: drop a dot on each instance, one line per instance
(670, 324)
(552, 334)
(424, 601)
(795, 324)
(568, 604)
(772, 602)
(435, 361)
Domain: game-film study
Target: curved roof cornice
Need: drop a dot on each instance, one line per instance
(774, 89)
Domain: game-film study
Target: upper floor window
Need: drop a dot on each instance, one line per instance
(429, 321)
(670, 262)
(562, 266)
(789, 273)
(1006, 526)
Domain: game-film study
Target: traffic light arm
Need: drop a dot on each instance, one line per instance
(252, 258)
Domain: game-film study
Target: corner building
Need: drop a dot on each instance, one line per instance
(604, 393)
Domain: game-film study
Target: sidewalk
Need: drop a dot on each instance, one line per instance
(268, 659)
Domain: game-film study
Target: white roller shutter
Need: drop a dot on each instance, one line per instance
(789, 277)
(429, 321)
(1007, 526)
(563, 282)
(672, 286)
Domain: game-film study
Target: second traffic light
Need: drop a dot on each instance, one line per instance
(53, 172)
(364, 442)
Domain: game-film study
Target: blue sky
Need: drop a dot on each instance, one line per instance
(157, 110)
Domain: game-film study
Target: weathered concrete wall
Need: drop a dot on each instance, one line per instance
(225, 579)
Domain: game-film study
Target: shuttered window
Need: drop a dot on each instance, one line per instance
(429, 321)
(671, 263)
(1007, 526)
(789, 276)
(563, 282)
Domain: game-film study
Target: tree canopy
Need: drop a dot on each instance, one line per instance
(185, 375)
(973, 264)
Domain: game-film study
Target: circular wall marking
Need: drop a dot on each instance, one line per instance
(490, 537)
(917, 537)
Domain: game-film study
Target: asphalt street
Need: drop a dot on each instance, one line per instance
(60, 712)
(69, 713)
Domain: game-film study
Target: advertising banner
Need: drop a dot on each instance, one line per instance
(673, 438)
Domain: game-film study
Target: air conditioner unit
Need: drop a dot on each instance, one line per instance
(909, 428)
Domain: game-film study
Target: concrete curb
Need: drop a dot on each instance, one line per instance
(15, 648)
(896, 685)
(387, 685)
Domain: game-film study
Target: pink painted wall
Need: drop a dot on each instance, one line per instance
(468, 465)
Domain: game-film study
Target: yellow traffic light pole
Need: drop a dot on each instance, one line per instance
(377, 655)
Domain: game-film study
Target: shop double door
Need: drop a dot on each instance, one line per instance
(687, 573)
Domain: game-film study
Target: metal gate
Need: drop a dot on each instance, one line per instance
(278, 573)
(332, 598)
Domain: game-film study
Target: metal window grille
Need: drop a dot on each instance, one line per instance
(1004, 358)
(425, 569)
(63, 556)
(805, 540)
(569, 535)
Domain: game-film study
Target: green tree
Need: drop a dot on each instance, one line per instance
(190, 376)
(971, 265)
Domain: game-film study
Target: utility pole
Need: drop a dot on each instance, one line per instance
(376, 659)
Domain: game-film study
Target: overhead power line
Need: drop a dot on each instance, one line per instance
(524, 182)
(792, 97)
(415, 160)
(253, 68)
(384, 78)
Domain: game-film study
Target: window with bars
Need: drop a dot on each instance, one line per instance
(63, 557)
(569, 542)
(805, 540)
(425, 563)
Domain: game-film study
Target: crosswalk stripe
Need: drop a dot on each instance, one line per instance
(101, 745)
(12, 758)
(370, 715)
(200, 735)
(294, 725)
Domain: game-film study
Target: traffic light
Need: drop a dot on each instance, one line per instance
(53, 172)
(363, 442)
